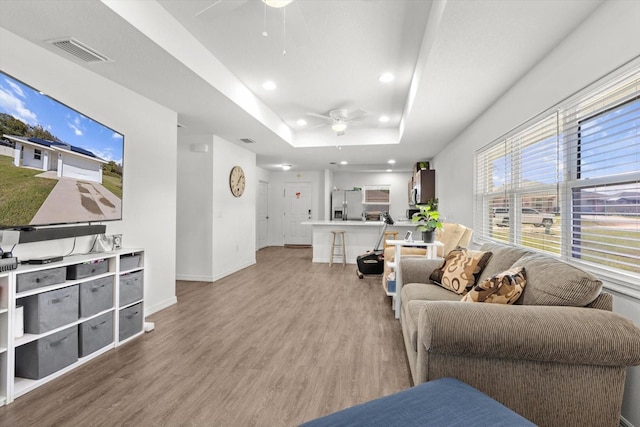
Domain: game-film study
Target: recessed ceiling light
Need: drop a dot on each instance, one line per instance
(386, 77)
(269, 85)
(286, 167)
(301, 122)
(344, 162)
(383, 119)
(391, 162)
(389, 170)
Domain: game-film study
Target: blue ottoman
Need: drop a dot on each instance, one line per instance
(443, 402)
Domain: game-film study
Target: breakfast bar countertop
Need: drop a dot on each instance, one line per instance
(339, 223)
(360, 236)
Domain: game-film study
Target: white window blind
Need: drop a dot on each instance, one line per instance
(568, 183)
(603, 142)
(376, 194)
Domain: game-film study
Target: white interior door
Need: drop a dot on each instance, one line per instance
(263, 215)
(297, 208)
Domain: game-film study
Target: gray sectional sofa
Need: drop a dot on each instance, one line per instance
(558, 356)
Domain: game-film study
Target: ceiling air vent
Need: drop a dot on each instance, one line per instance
(79, 50)
(247, 140)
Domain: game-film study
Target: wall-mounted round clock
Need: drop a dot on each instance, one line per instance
(236, 181)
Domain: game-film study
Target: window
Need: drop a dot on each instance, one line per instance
(520, 172)
(37, 154)
(568, 183)
(377, 195)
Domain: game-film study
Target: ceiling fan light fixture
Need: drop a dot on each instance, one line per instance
(276, 3)
(286, 167)
(338, 127)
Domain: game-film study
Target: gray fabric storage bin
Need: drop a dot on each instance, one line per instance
(129, 262)
(47, 355)
(96, 296)
(40, 279)
(80, 271)
(131, 287)
(95, 334)
(131, 320)
(49, 310)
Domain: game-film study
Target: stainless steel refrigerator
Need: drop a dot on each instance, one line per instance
(346, 205)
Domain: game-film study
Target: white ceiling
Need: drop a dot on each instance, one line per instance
(207, 60)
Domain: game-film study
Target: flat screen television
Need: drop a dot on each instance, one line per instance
(57, 166)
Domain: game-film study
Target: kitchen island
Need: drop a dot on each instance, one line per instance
(360, 236)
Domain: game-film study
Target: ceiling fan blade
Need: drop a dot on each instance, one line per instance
(319, 115)
(219, 7)
(317, 126)
(357, 114)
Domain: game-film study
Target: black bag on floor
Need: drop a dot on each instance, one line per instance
(372, 263)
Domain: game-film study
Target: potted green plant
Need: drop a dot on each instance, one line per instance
(428, 220)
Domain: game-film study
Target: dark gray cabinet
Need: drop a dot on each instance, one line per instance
(424, 186)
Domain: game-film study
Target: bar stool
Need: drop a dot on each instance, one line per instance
(390, 235)
(339, 245)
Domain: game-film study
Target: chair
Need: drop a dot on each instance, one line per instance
(337, 245)
(390, 235)
(451, 235)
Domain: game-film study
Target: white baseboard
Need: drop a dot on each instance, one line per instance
(226, 273)
(192, 278)
(149, 310)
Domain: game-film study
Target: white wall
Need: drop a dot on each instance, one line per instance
(276, 199)
(194, 250)
(605, 41)
(322, 182)
(234, 218)
(398, 182)
(216, 231)
(149, 194)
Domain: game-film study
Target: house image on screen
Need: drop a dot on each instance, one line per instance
(67, 160)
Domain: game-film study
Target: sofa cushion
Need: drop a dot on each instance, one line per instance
(503, 258)
(502, 288)
(414, 296)
(426, 292)
(461, 269)
(554, 282)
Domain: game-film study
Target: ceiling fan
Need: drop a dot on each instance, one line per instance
(340, 119)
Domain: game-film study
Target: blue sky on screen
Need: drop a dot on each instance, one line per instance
(32, 107)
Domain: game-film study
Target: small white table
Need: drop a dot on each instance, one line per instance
(432, 249)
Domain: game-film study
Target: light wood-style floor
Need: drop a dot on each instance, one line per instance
(276, 344)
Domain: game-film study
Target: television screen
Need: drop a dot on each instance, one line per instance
(57, 166)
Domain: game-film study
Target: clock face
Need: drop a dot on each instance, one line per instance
(236, 181)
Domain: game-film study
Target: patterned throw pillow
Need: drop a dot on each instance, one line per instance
(461, 269)
(503, 288)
